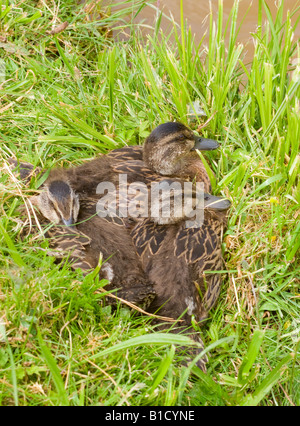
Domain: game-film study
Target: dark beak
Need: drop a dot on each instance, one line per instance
(216, 203)
(205, 144)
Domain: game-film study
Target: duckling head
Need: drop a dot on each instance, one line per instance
(58, 202)
(171, 147)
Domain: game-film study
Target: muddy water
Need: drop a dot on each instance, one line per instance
(196, 14)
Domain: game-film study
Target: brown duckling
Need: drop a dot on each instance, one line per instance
(170, 150)
(183, 263)
(78, 233)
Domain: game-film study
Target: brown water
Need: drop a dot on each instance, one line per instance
(196, 14)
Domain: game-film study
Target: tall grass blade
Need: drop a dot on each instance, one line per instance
(82, 127)
(294, 244)
(111, 74)
(54, 370)
(13, 375)
(251, 355)
(192, 364)
(12, 248)
(163, 368)
(264, 388)
(210, 173)
(64, 58)
(149, 339)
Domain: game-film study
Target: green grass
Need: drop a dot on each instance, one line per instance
(70, 96)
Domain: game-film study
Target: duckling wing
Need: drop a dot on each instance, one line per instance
(69, 244)
(135, 171)
(198, 251)
(201, 249)
(197, 244)
(201, 246)
(146, 235)
(127, 153)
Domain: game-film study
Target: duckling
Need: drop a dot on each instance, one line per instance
(170, 150)
(79, 233)
(58, 202)
(184, 264)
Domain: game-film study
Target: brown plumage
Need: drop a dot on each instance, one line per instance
(168, 151)
(85, 239)
(182, 263)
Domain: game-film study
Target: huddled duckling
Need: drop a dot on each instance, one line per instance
(180, 265)
(85, 239)
(191, 252)
(170, 150)
(184, 263)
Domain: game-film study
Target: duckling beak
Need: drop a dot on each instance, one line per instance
(68, 222)
(205, 144)
(216, 203)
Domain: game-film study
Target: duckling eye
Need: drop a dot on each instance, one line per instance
(51, 205)
(181, 137)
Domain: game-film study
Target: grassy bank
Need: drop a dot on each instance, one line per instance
(69, 96)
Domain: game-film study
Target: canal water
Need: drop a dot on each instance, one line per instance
(196, 13)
